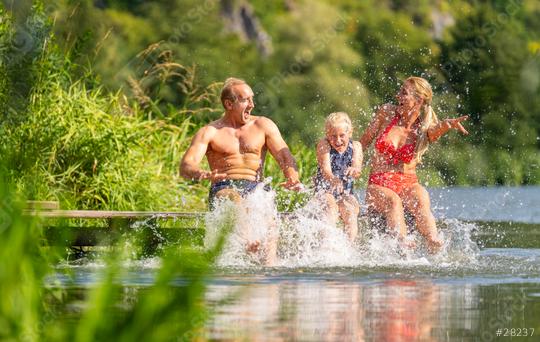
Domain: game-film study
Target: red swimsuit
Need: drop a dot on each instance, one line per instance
(395, 181)
(394, 155)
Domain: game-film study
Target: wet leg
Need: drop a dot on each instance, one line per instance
(416, 200)
(349, 208)
(230, 194)
(243, 229)
(270, 248)
(389, 204)
(330, 207)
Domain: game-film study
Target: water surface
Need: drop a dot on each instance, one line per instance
(486, 280)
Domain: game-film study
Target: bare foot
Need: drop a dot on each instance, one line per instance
(407, 242)
(253, 247)
(434, 245)
(265, 254)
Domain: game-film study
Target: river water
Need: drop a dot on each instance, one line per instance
(483, 285)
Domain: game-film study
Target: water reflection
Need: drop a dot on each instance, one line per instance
(402, 310)
(353, 304)
(386, 310)
(289, 311)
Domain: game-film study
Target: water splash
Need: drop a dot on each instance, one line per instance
(256, 221)
(307, 238)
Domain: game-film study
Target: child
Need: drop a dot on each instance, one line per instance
(339, 163)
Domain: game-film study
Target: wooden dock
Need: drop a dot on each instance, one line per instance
(102, 227)
(152, 228)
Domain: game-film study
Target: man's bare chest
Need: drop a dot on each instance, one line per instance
(234, 141)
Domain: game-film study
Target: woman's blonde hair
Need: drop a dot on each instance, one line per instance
(428, 117)
(337, 118)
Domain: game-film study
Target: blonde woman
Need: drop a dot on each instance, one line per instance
(402, 134)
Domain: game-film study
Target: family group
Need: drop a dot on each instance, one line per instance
(236, 144)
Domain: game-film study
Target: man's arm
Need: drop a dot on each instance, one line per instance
(281, 153)
(190, 164)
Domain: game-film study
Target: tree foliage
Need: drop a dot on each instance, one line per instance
(164, 60)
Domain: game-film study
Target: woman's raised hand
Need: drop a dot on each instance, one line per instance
(456, 123)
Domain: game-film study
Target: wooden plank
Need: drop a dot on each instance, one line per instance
(106, 214)
(103, 214)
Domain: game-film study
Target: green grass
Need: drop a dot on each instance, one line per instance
(64, 137)
(69, 140)
(36, 305)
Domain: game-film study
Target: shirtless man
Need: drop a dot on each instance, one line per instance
(235, 146)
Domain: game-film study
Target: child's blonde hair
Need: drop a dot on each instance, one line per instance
(337, 118)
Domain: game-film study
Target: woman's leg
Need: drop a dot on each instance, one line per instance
(349, 209)
(416, 200)
(387, 203)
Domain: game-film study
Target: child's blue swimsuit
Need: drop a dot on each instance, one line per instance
(339, 163)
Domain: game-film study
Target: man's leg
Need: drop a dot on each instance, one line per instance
(243, 230)
(268, 249)
(228, 193)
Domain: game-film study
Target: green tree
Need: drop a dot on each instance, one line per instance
(317, 71)
(484, 62)
(394, 47)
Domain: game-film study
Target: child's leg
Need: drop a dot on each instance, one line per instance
(349, 210)
(330, 207)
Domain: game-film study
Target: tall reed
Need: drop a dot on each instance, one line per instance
(70, 140)
(35, 304)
